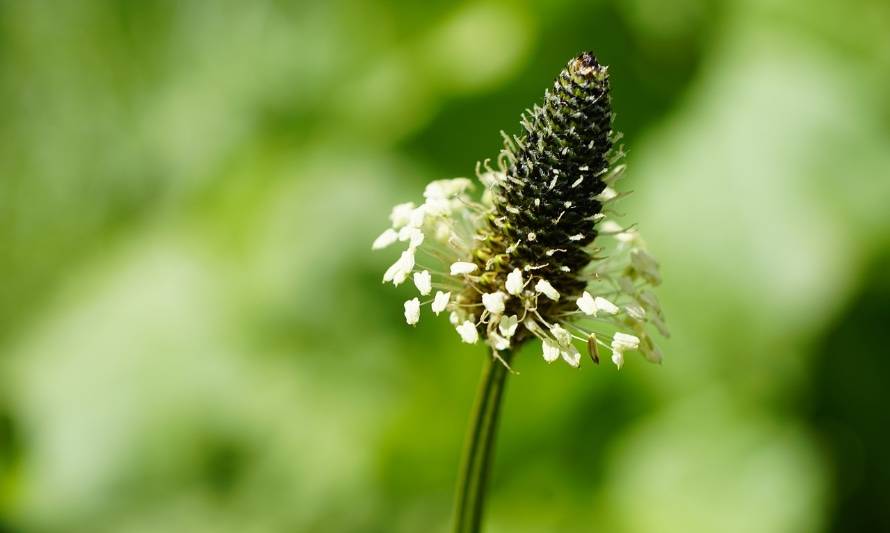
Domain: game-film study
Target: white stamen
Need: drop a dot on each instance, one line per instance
(401, 214)
(385, 239)
(563, 337)
(607, 195)
(412, 311)
(440, 302)
(494, 302)
(468, 332)
(586, 304)
(514, 282)
(462, 267)
(545, 287)
(572, 356)
(605, 306)
(551, 351)
(399, 271)
(507, 325)
(423, 282)
(497, 342)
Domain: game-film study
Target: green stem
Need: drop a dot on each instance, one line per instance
(479, 446)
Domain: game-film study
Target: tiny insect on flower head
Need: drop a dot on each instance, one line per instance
(536, 254)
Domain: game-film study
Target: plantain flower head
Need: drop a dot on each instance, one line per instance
(532, 252)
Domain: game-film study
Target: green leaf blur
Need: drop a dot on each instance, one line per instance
(193, 332)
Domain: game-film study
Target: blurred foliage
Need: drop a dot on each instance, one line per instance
(193, 336)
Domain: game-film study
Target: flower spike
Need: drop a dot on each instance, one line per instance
(536, 255)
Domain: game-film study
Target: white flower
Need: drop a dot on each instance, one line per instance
(551, 351)
(440, 301)
(545, 287)
(410, 233)
(497, 342)
(468, 332)
(399, 271)
(438, 207)
(494, 302)
(462, 267)
(571, 355)
(620, 343)
(507, 325)
(441, 189)
(635, 312)
(484, 254)
(401, 214)
(385, 239)
(605, 306)
(563, 337)
(610, 226)
(586, 304)
(592, 306)
(412, 311)
(423, 281)
(607, 194)
(417, 217)
(623, 341)
(514, 282)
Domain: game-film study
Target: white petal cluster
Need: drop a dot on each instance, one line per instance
(423, 281)
(468, 332)
(400, 270)
(591, 306)
(494, 302)
(412, 311)
(440, 302)
(506, 306)
(620, 343)
(514, 283)
(544, 287)
(462, 267)
(390, 236)
(507, 325)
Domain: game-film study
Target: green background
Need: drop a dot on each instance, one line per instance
(193, 332)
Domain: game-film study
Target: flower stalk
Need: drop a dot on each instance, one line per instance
(538, 256)
(478, 454)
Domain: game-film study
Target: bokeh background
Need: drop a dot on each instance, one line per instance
(193, 332)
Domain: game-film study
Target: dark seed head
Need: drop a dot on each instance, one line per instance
(552, 182)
